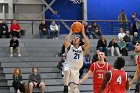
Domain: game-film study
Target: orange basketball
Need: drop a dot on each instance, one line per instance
(77, 27)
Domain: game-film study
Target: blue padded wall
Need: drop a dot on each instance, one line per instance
(110, 9)
(67, 10)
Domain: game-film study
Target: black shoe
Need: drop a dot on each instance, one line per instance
(65, 89)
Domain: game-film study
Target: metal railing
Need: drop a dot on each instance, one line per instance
(108, 27)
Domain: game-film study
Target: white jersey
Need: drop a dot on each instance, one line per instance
(75, 57)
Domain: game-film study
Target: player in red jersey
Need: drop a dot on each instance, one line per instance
(98, 69)
(116, 78)
(137, 73)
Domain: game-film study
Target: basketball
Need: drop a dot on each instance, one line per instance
(77, 27)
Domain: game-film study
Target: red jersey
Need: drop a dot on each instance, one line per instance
(138, 60)
(99, 71)
(14, 26)
(118, 81)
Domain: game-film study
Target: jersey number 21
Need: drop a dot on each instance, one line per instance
(76, 56)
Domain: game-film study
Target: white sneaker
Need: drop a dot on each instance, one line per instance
(11, 55)
(19, 55)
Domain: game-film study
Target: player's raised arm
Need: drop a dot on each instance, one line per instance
(67, 40)
(86, 46)
(105, 81)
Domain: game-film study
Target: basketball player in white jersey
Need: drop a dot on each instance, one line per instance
(137, 73)
(74, 61)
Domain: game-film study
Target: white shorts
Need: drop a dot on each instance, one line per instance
(73, 76)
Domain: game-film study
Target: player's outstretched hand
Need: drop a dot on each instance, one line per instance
(71, 31)
(80, 82)
(130, 85)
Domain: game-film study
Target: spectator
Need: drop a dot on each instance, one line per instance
(35, 80)
(4, 29)
(121, 34)
(86, 26)
(122, 18)
(95, 57)
(135, 38)
(61, 63)
(122, 47)
(86, 63)
(17, 81)
(127, 39)
(15, 29)
(96, 31)
(14, 46)
(54, 30)
(113, 45)
(102, 45)
(43, 30)
(134, 28)
(57, 18)
(138, 25)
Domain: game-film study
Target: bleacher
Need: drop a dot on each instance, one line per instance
(43, 53)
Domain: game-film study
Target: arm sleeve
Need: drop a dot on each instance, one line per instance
(39, 79)
(119, 44)
(51, 28)
(110, 44)
(10, 43)
(124, 46)
(20, 78)
(13, 77)
(105, 43)
(11, 28)
(40, 27)
(30, 78)
(17, 43)
(98, 44)
(18, 27)
(119, 35)
(56, 27)
(6, 28)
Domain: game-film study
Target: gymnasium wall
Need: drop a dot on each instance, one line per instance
(110, 9)
(97, 10)
(66, 10)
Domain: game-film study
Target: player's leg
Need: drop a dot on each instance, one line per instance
(66, 78)
(74, 79)
(74, 88)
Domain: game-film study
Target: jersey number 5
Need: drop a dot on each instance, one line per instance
(119, 80)
(76, 56)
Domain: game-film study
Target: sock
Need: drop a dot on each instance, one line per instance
(65, 89)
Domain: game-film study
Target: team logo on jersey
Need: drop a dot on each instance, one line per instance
(77, 51)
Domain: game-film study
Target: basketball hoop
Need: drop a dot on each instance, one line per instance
(76, 1)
